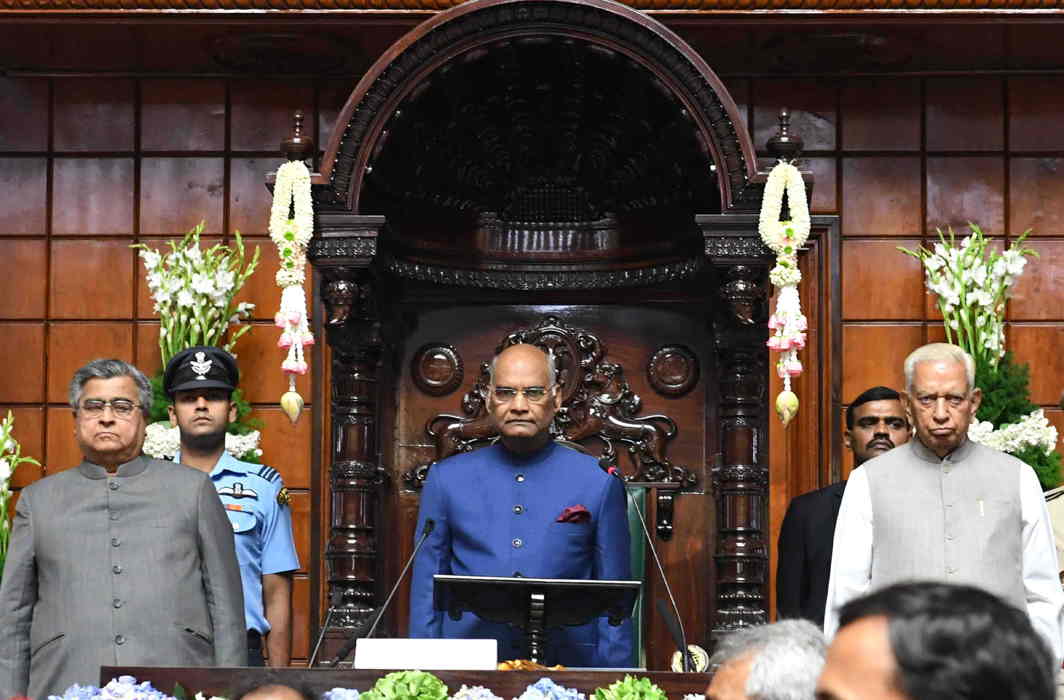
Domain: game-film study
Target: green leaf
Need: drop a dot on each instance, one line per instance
(631, 688)
(407, 685)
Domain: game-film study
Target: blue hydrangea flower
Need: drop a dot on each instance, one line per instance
(477, 692)
(340, 694)
(127, 688)
(546, 689)
(78, 692)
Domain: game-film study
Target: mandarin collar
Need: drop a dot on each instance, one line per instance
(131, 468)
(525, 461)
(962, 452)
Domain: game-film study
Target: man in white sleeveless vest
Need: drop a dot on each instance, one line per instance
(944, 508)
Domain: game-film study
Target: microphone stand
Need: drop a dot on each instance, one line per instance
(668, 590)
(349, 645)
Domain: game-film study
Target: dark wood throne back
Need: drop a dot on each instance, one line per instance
(598, 404)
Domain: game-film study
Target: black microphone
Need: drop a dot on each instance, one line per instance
(349, 645)
(672, 620)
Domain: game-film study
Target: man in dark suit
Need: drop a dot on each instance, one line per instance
(875, 423)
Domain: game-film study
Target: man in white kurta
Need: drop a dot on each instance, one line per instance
(944, 508)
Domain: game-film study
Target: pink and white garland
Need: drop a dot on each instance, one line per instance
(788, 324)
(291, 191)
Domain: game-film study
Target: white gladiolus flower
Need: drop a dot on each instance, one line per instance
(1014, 262)
(224, 281)
(982, 298)
(151, 258)
(202, 284)
(185, 299)
(5, 472)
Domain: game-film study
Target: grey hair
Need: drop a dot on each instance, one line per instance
(552, 371)
(110, 369)
(939, 352)
(788, 658)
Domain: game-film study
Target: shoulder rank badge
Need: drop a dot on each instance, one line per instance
(283, 497)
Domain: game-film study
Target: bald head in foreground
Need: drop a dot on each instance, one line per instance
(524, 506)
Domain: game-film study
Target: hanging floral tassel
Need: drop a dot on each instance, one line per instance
(787, 325)
(291, 192)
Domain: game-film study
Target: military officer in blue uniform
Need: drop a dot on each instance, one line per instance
(525, 506)
(200, 380)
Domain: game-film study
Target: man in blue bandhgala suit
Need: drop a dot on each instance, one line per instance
(525, 506)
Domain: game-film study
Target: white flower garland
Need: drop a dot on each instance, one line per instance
(291, 190)
(788, 324)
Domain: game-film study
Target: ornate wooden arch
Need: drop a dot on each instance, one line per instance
(468, 27)
(385, 270)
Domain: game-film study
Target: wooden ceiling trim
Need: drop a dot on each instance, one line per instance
(917, 9)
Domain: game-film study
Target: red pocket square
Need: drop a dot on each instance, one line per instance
(574, 514)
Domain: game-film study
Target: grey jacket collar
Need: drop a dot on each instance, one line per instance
(130, 468)
(963, 451)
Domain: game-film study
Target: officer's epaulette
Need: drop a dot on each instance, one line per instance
(268, 473)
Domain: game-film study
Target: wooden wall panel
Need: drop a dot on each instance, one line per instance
(1036, 189)
(93, 114)
(22, 346)
(880, 115)
(23, 195)
(92, 196)
(962, 190)
(81, 281)
(880, 283)
(1035, 105)
(23, 286)
(881, 196)
(965, 114)
(182, 115)
(178, 193)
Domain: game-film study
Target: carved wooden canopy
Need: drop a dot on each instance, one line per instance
(557, 144)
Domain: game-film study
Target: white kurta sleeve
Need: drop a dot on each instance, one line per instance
(1041, 579)
(851, 556)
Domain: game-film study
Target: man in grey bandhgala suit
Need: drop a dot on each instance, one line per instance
(123, 560)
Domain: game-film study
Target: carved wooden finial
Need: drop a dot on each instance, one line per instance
(298, 146)
(785, 145)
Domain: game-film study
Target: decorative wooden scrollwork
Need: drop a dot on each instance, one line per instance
(597, 405)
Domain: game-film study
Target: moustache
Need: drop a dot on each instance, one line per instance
(887, 444)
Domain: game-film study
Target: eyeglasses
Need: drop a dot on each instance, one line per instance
(532, 394)
(122, 408)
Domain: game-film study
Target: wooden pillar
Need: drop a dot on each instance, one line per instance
(740, 479)
(352, 331)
